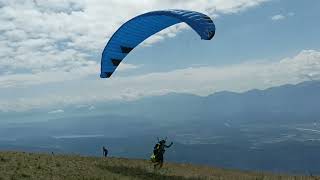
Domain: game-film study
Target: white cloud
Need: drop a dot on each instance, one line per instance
(278, 17)
(125, 66)
(45, 77)
(197, 80)
(56, 111)
(56, 75)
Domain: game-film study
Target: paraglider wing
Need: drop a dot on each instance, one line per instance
(136, 30)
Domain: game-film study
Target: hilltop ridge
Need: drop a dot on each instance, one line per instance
(20, 165)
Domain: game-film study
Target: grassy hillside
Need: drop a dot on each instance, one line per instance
(19, 165)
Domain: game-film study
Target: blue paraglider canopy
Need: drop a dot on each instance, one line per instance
(136, 30)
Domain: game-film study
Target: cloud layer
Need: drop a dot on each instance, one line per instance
(197, 80)
(41, 38)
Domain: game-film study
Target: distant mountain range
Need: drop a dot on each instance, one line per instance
(298, 102)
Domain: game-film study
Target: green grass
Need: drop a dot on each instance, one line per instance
(20, 166)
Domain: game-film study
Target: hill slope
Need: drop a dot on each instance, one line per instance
(19, 165)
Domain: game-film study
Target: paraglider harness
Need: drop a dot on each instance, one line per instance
(155, 156)
(158, 151)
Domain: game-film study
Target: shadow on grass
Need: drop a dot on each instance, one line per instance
(139, 173)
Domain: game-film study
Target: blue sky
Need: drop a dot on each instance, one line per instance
(50, 50)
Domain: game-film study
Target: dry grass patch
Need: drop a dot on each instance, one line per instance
(20, 166)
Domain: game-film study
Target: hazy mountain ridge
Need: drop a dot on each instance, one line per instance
(299, 99)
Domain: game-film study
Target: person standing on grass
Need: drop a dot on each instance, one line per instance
(104, 151)
(159, 152)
